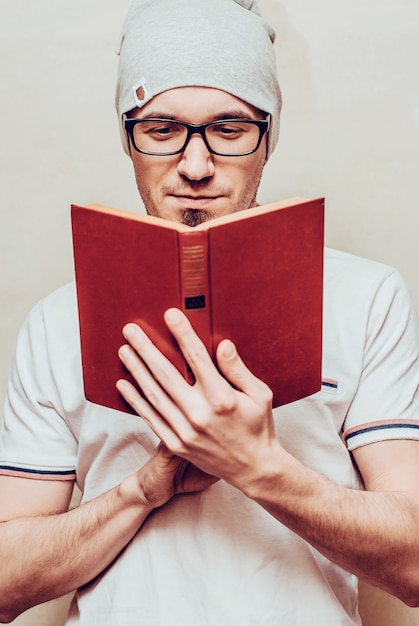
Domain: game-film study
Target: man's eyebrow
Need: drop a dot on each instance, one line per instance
(236, 114)
(153, 114)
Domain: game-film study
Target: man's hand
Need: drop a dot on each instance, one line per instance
(166, 475)
(222, 424)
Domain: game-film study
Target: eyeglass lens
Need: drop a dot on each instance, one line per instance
(229, 137)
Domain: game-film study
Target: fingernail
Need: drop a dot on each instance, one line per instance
(123, 351)
(229, 349)
(172, 315)
(128, 330)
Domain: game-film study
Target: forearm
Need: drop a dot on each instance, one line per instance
(372, 534)
(45, 557)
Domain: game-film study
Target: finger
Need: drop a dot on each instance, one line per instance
(154, 404)
(194, 351)
(161, 368)
(239, 375)
(180, 403)
(147, 412)
(152, 390)
(190, 479)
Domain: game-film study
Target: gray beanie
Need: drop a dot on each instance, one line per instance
(224, 44)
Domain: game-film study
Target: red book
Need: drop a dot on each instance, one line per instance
(255, 277)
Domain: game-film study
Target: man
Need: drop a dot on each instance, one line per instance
(210, 509)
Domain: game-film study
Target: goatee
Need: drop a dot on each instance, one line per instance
(194, 217)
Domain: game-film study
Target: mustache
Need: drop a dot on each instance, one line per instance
(195, 186)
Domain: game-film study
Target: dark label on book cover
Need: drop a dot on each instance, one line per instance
(195, 302)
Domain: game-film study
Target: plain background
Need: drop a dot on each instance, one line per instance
(350, 127)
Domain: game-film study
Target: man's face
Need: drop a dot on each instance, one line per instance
(195, 185)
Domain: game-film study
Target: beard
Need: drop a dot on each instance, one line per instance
(194, 217)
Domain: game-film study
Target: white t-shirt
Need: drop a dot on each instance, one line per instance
(217, 558)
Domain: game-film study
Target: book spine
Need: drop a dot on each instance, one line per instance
(194, 281)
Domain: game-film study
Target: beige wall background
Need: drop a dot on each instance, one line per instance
(350, 129)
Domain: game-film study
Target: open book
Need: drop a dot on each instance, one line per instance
(255, 277)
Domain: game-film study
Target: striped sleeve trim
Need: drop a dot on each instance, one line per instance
(380, 431)
(37, 474)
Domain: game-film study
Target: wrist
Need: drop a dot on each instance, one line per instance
(132, 494)
(273, 472)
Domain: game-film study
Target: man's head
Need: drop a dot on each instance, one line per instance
(195, 61)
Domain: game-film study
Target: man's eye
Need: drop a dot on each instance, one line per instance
(164, 130)
(157, 130)
(228, 131)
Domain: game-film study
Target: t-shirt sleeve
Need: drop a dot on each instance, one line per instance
(386, 405)
(35, 438)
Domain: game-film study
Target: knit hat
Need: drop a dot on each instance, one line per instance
(224, 44)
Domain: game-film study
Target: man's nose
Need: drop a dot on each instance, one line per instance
(196, 160)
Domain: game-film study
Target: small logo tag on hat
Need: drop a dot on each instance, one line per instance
(140, 93)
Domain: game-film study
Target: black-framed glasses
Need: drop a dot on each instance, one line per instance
(159, 136)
